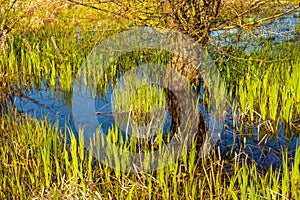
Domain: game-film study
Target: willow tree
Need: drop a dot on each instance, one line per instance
(197, 19)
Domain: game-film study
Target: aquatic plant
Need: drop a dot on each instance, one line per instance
(37, 162)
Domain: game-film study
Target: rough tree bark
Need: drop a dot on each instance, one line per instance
(194, 19)
(191, 17)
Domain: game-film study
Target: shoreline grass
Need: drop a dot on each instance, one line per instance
(37, 163)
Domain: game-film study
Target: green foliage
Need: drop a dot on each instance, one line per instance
(268, 91)
(49, 47)
(37, 163)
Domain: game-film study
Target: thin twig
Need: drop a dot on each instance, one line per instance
(56, 48)
(258, 22)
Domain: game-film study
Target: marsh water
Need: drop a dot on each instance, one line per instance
(244, 139)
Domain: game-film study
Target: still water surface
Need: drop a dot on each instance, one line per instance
(55, 105)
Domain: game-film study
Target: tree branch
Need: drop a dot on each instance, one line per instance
(97, 8)
(258, 22)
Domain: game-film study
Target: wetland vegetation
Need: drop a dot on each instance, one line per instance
(44, 44)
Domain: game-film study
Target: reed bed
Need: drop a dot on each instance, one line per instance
(38, 163)
(267, 91)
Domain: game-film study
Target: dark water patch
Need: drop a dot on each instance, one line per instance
(264, 149)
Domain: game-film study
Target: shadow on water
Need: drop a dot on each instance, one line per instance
(245, 140)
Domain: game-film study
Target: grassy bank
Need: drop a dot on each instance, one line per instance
(36, 163)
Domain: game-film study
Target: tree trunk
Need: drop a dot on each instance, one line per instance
(193, 18)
